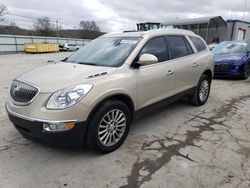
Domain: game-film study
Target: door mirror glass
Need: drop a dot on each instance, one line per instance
(147, 59)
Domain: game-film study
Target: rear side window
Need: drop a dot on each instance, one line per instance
(179, 46)
(156, 46)
(198, 43)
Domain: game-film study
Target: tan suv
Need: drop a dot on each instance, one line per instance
(94, 95)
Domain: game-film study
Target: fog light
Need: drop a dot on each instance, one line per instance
(54, 127)
(237, 67)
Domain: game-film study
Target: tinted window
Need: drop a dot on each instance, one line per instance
(198, 43)
(179, 46)
(156, 46)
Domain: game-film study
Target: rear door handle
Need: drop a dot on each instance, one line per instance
(195, 65)
(169, 72)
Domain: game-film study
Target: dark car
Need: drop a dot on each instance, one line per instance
(232, 58)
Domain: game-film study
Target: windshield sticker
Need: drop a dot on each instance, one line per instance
(128, 42)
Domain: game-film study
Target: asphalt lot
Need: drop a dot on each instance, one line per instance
(178, 146)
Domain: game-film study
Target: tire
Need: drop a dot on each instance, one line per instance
(204, 84)
(246, 72)
(102, 123)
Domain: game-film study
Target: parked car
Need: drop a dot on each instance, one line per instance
(97, 93)
(68, 47)
(232, 59)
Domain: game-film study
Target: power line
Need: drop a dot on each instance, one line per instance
(34, 18)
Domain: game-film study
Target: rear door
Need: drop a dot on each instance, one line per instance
(184, 62)
(155, 82)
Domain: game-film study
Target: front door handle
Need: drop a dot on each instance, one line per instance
(169, 72)
(195, 65)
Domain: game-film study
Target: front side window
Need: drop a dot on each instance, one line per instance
(179, 46)
(157, 47)
(105, 51)
(198, 43)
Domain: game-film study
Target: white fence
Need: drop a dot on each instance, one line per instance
(15, 43)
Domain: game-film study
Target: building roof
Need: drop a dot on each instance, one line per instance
(241, 21)
(149, 23)
(216, 21)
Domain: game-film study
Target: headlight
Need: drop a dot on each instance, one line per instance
(68, 97)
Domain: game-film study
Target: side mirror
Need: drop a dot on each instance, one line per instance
(147, 59)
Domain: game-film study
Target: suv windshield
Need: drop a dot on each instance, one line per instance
(105, 51)
(230, 47)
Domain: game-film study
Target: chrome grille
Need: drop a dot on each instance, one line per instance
(22, 93)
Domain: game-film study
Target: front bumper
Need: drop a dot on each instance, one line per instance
(226, 74)
(228, 70)
(33, 129)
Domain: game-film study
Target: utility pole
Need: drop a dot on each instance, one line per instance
(231, 14)
(244, 10)
(57, 28)
(75, 32)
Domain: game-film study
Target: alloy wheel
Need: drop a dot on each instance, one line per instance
(112, 127)
(247, 71)
(204, 90)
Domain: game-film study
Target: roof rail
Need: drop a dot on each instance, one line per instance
(115, 32)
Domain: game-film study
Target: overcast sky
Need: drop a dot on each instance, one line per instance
(115, 15)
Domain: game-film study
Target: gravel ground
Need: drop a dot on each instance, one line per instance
(178, 146)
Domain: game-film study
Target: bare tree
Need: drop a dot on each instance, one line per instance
(42, 26)
(12, 24)
(89, 26)
(3, 10)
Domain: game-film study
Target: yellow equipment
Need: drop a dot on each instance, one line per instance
(41, 47)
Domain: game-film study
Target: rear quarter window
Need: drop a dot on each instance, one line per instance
(198, 43)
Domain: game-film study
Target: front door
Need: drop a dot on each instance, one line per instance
(155, 82)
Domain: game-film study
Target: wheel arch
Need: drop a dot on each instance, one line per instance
(209, 73)
(119, 96)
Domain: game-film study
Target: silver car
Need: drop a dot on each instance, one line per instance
(68, 47)
(94, 96)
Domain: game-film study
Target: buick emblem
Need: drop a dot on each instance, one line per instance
(15, 90)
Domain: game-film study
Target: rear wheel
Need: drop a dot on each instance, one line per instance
(246, 72)
(109, 127)
(202, 91)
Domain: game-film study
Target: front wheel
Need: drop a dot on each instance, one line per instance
(202, 91)
(246, 72)
(109, 127)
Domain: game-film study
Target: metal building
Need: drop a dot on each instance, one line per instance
(214, 29)
(238, 30)
(211, 29)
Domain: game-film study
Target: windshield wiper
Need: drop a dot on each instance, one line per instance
(85, 63)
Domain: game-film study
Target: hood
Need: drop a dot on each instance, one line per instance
(58, 76)
(229, 58)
